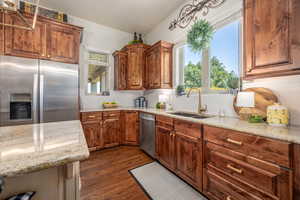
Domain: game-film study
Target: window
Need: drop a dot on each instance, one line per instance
(224, 57)
(217, 68)
(191, 67)
(98, 68)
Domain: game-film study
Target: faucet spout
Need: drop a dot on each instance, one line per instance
(201, 109)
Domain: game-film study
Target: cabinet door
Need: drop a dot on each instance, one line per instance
(165, 147)
(189, 159)
(131, 128)
(135, 70)
(93, 134)
(149, 70)
(120, 71)
(272, 40)
(1, 34)
(167, 68)
(111, 132)
(25, 43)
(153, 67)
(63, 43)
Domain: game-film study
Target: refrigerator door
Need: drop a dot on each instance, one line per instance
(59, 92)
(18, 91)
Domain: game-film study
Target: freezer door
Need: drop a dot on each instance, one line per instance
(18, 91)
(59, 92)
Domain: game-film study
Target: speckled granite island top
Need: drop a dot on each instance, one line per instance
(28, 148)
(290, 134)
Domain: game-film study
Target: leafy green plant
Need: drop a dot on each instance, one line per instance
(200, 35)
(134, 42)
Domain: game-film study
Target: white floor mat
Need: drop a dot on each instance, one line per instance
(161, 184)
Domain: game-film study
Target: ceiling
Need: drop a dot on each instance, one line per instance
(126, 15)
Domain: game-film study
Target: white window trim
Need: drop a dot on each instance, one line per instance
(86, 70)
(206, 54)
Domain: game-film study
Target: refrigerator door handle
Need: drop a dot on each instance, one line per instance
(35, 98)
(42, 98)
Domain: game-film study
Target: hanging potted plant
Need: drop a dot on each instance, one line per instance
(200, 35)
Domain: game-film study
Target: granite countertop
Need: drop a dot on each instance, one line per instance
(290, 134)
(29, 148)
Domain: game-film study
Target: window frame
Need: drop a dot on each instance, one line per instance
(205, 60)
(87, 62)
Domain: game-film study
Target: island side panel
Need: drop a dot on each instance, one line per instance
(59, 183)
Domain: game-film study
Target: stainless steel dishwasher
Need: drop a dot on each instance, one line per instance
(147, 133)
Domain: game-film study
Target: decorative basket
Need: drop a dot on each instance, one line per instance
(110, 105)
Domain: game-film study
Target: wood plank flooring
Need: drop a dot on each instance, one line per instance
(105, 174)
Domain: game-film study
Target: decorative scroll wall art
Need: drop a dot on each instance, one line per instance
(189, 11)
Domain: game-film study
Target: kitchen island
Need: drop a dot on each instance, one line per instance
(43, 158)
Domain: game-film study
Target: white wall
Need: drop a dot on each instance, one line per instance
(287, 88)
(106, 39)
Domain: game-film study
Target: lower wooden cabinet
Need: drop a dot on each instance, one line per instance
(110, 128)
(179, 151)
(130, 128)
(111, 132)
(189, 159)
(93, 134)
(232, 172)
(165, 146)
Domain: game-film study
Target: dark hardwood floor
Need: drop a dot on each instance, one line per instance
(105, 174)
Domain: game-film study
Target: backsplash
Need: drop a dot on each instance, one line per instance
(288, 91)
(214, 102)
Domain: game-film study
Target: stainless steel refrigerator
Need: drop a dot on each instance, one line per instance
(37, 91)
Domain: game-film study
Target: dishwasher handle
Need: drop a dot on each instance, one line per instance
(147, 118)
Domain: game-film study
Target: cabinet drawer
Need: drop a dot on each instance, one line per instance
(91, 116)
(266, 149)
(165, 120)
(188, 128)
(217, 187)
(111, 114)
(241, 168)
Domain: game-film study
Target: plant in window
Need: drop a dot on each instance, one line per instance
(200, 35)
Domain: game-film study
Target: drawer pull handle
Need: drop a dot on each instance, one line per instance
(92, 116)
(239, 171)
(229, 198)
(234, 142)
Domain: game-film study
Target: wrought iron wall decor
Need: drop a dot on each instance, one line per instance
(189, 11)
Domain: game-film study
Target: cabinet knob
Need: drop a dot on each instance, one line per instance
(48, 56)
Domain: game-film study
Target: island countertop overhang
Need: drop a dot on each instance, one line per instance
(28, 148)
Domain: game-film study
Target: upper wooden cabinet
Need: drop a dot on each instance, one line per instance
(159, 68)
(271, 38)
(25, 43)
(140, 66)
(63, 43)
(49, 40)
(136, 66)
(121, 59)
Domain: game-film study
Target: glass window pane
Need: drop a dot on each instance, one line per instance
(191, 68)
(98, 57)
(96, 79)
(224, 60)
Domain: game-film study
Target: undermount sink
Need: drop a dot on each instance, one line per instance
(192, 115)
